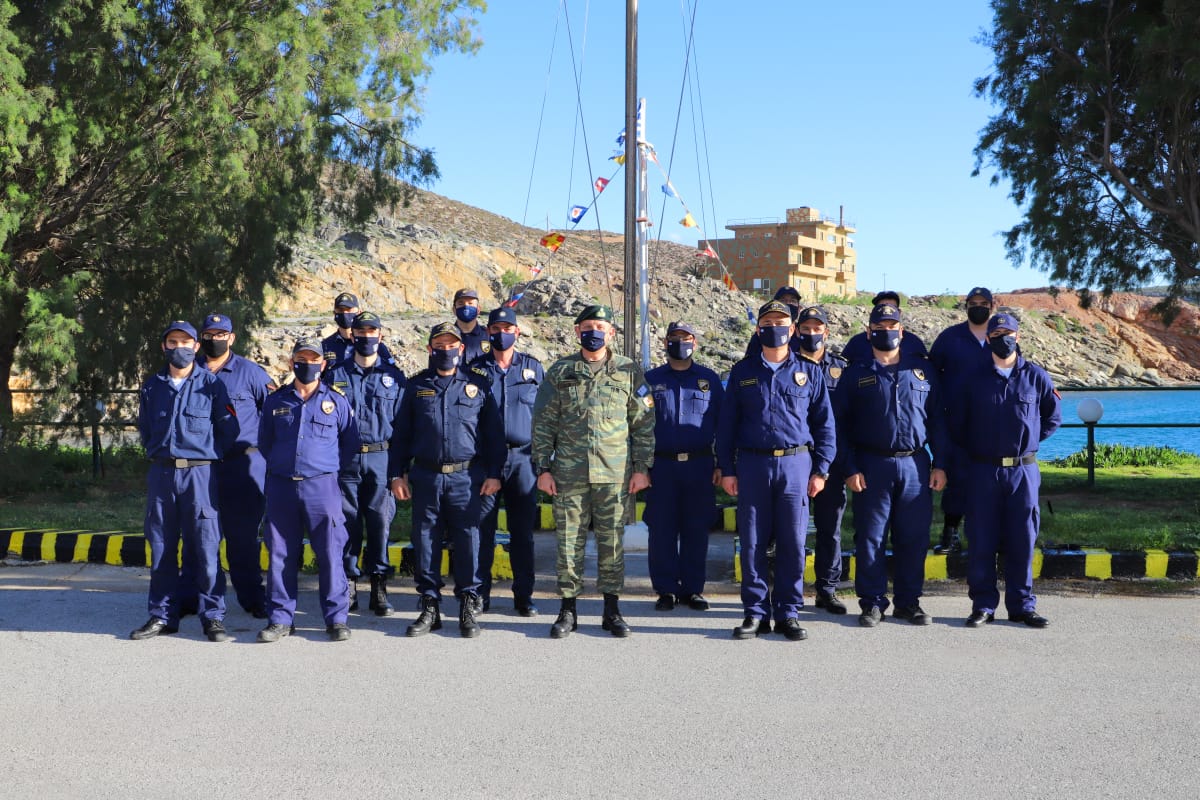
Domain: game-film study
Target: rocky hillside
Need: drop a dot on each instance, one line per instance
(407, 264)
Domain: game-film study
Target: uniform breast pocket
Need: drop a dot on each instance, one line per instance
(750, 399)
(696, 402)
(282, 423)
(1027, 407)
(383, 399)
(467, 408)
(196, 422)
(796, 397)
(324, 430)
(527, 393)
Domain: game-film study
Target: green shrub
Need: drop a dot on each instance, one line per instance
(949, 302)
(1122, 455)
(510, 278)
(40, 467)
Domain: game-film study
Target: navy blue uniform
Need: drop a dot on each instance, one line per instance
(513, 391)
(830, 503)
(305, 444)
(859, 347)
(374, 393)
(241, 478)
(886, 415)
(184, 429)
(770, 420)
(338, 349)
(448, 439)
(999, 422)
(687, 404)
(475, 343)
(956, 354)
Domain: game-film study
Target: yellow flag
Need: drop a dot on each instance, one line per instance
(689, 221)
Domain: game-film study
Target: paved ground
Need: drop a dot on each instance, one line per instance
(1104, 703)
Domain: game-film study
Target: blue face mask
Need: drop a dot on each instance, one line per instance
(344, 319)
(592, 340)
(773, 335)
(885, 340)
(444, 360)
(181, 357)
(502, 340)
(466, 313)
(680, 350)
(811, 342)
(1003, 346)
(305, 372)
(366, 345)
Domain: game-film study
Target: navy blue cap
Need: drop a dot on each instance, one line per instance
(1003, 321)
(980, 291)
(366, 319)
(886, 294)
(218, 322)
(883, 312)
(180, 325)
(680, 327)
(774, 306)
(444, 328)
(782, 290)
(309, 344)
(503, 314)
(813, 312)
(470, 294)
(345, 300)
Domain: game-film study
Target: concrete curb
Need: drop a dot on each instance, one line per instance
(124, 549)
(1048, 564)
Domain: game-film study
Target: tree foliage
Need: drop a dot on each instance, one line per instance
(1098, 133)
(158, 158)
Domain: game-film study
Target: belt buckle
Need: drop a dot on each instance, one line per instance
(779, 452)
(447, 469)
(1008, 461)
(363, 449)
(297, 477)
(181, 463)
(682, 457)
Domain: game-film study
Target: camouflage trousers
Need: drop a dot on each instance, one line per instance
(602, 507)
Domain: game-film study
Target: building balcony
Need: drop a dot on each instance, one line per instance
(845, 252)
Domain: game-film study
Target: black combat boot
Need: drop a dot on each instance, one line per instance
(950, 542)
(567, 620)
(429, 620)
(352, 593)
(468, 607)
(612, 621)
(379, 602)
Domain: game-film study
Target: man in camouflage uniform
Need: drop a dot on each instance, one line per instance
(593, 444)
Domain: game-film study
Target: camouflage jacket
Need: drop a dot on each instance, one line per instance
(593, 428)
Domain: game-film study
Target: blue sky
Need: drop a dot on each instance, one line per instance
(865, 104)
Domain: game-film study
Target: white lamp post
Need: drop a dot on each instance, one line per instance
(1090, 411)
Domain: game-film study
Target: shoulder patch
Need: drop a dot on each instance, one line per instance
(643, 390)
(835, 372)
(648, 399)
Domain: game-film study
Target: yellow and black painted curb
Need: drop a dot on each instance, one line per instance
(1048, 564)
(123, 549)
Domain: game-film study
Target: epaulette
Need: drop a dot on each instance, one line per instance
(480, 372)
(337, 389)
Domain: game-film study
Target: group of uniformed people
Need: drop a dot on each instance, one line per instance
(326, 456)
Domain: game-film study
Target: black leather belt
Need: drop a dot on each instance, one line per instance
(669, 456)
(778, 453)
(445, 469)
(183, 463)
(1007, 461)
(885, 453)
(373, 447)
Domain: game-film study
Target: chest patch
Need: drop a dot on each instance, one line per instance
(388, 381)
(471, 390)
(527, 374)
(327, 406)
(485, 347)
(800, 378)
(702, 384)
(835, 372)
(919, 373)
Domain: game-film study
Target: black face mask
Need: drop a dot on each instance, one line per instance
(978, 314)
(214, 348)
(444, 360)
(680, 350)
(1003, 346)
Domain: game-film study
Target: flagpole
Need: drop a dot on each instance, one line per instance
(632, 170)
(643, 237)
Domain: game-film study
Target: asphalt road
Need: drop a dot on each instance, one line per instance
(1104, 703)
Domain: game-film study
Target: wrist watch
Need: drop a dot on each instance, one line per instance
(822, 475)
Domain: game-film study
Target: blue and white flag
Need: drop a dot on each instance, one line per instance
(577, 213)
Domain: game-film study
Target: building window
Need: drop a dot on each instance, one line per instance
(741, 252)
(768, 235)
(754, 252)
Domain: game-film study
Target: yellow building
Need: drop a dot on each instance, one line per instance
(812, 253)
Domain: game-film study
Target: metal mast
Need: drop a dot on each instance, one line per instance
(631, 180)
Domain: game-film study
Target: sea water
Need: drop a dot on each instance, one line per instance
(1143, 406)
